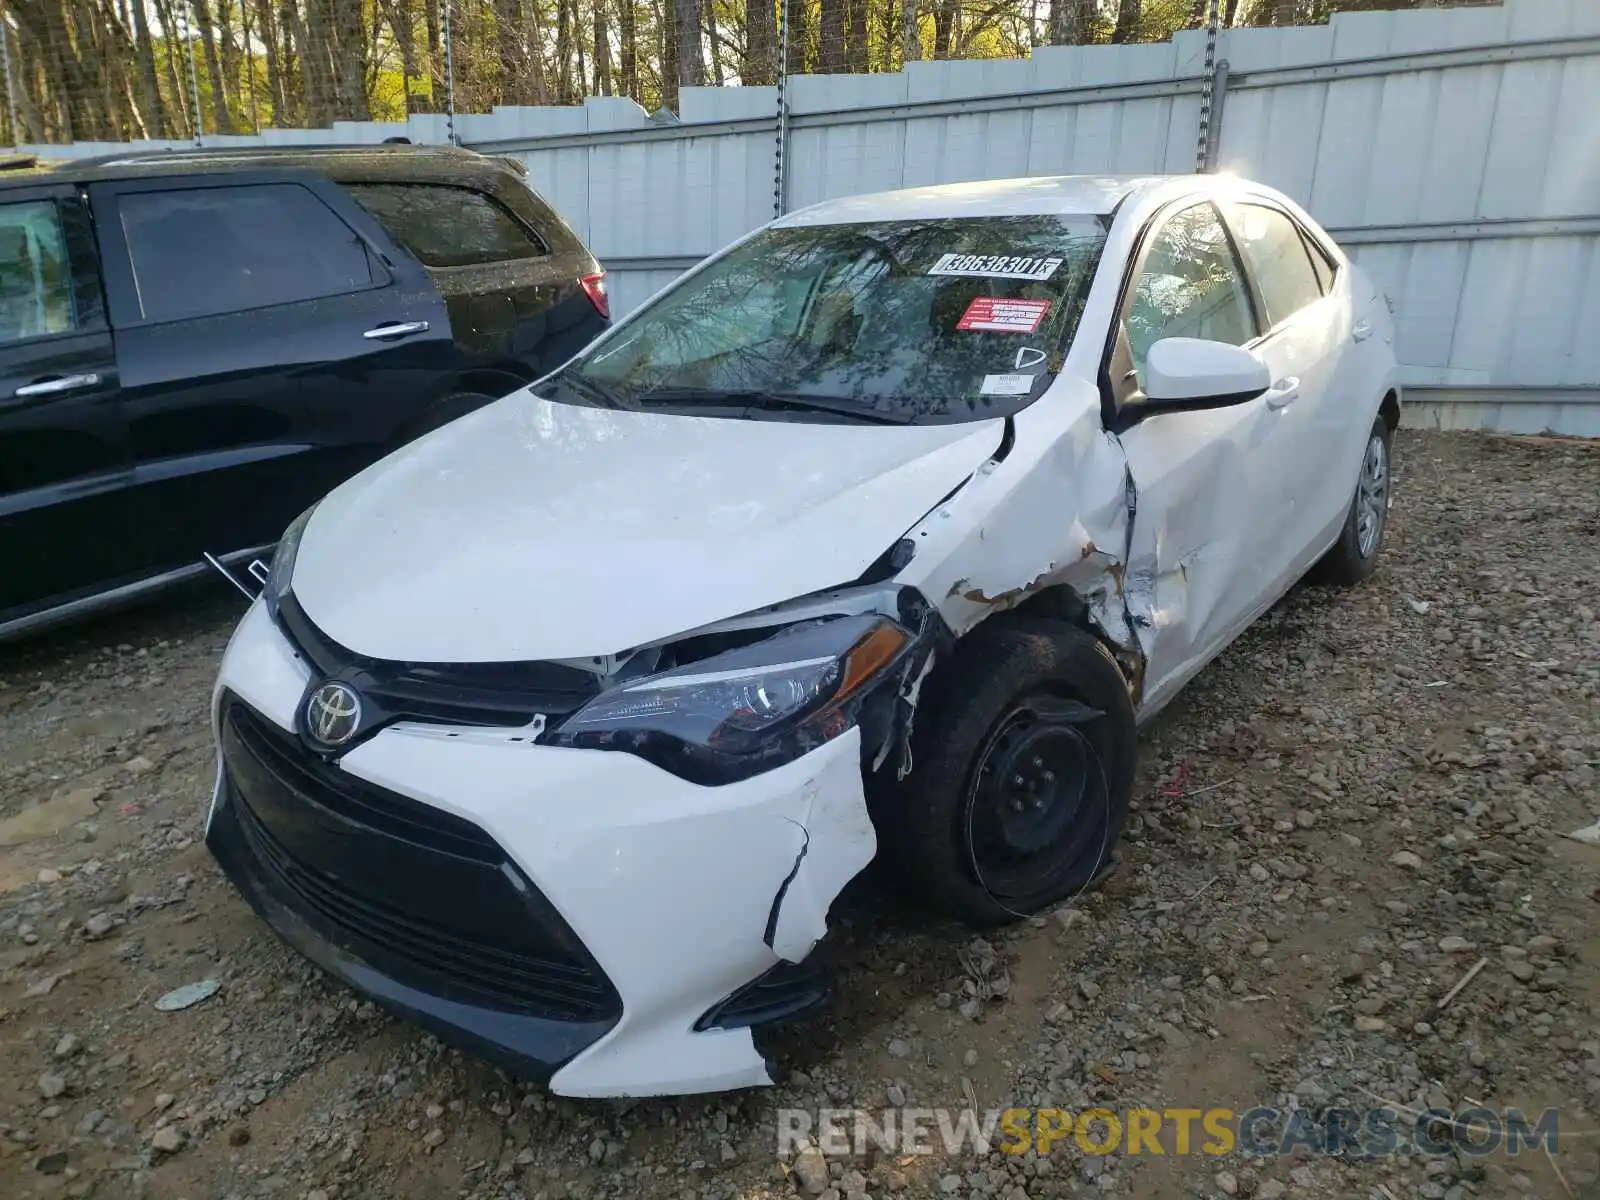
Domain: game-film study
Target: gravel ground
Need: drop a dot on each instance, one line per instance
(1359, 802)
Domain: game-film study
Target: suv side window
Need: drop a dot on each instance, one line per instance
(205, 251)
(36, 292)
(1189, 286)
(1272, 245)
(448, 226)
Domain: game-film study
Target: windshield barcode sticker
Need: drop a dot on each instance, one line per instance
(1006, 385)
(995, 314)
(995, 266)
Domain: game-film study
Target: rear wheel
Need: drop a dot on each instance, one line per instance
(1354, 556)
(1023, 759)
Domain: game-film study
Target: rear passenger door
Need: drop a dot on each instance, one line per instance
(1304, 333)
(64, 455)
(272, 340)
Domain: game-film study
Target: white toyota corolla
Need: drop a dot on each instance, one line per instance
(559, 730)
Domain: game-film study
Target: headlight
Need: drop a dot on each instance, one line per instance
(281, 570)
(748, 710)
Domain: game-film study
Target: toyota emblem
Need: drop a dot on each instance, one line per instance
(333, 714)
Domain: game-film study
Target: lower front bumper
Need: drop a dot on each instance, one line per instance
(525, 1045)
(689, 904)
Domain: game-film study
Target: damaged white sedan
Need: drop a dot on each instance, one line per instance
(559, 730)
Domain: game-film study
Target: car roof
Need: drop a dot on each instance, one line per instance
(1058, 195)
(421, 164)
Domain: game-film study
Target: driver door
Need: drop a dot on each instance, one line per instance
(1200, 564)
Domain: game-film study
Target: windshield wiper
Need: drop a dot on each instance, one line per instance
(753, 400)
(594, 390)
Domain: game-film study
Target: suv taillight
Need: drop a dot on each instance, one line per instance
(594, 286)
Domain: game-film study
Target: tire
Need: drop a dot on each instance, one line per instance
(442, 412)
(1021, 695)
(1354, 557)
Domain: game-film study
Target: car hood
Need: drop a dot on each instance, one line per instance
(536, 530)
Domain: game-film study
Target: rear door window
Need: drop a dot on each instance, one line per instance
(447, 226)
(214, 250)
(1273, 248)
(36, 293)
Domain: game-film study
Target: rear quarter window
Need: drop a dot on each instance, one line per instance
(448, 226)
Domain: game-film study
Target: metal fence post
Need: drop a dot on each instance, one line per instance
(186, 32)
(1219, 94)
(449, 78)
(780, 183)
(1205, 143)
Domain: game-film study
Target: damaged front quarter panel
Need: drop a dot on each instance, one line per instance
(1054, 513)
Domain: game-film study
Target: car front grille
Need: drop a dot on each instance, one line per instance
(419, 894)
(492, 694)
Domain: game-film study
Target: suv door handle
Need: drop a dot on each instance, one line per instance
(1362, 331)
(53, 387)
(395, 329)
(1283, 393)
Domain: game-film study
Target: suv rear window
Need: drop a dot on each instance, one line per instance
(448, 226)
(205, 251)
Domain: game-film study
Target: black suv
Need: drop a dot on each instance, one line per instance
(194, 346)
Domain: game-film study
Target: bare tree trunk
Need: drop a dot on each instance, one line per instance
(564, 40)
(795, 12)
(830, 36)
(398, 14)
(229, 50)
(602, 50)
(714, 38)
(668, 45)
(856, 60)
(691, 59)
(1127, 29)
(944, 26)
(208, 43)
(431, 18)
(760, 42)
(911, 30)
(627, 32)
(149, 88)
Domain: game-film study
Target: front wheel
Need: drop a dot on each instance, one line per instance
(1023, 757)
(1354, 556)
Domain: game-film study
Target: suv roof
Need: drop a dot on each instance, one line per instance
(418, 164)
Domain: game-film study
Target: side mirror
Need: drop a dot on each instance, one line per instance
(1192, 373)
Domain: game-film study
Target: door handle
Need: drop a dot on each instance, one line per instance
(1362, 331)
(54, 387)
(395, 329)
(1283, 393)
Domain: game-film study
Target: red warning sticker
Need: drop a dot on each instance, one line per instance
(994, 314)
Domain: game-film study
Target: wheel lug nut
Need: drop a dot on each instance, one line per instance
(1018, 781)
(1038, 763)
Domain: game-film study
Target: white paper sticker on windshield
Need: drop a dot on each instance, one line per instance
(1006, 385)
(995, 266)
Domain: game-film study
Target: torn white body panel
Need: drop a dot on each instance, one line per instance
(672, 887)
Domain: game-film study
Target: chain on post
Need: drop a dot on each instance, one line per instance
(1208, 87)
(449, 78)
(186, 32)
(780, 181)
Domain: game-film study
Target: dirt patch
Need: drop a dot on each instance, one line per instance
(1340, 818)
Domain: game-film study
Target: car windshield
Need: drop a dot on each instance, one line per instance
(926, 321)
